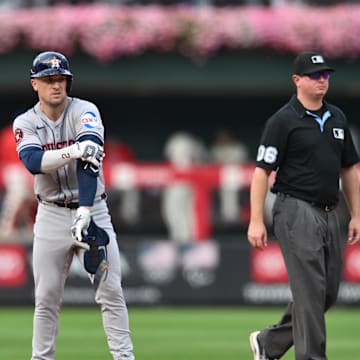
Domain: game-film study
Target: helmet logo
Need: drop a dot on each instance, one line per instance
(55, 63)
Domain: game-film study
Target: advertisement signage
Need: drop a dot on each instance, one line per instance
(218, 271)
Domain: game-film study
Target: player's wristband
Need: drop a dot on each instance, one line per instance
(55, 159)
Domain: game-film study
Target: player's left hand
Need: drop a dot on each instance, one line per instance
(88, 151)
(354, 231)
(93, 155)
(80, 225)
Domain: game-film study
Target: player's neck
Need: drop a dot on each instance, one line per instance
(53, 111)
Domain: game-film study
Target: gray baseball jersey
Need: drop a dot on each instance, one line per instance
(34, 129)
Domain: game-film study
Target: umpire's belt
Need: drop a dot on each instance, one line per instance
(68, 205)
(324, 207)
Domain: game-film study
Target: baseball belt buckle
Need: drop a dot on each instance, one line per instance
(328, 208)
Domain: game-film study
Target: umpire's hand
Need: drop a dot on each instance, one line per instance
(354, 231)
(257, 234)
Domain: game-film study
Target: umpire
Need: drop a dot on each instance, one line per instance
(308, 143)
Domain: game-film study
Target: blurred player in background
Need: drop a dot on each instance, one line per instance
(60, 142)
(118, 152)
(159, 260)
(183, 151)
(198, 257)
(231, 153)
(309, 145)
(18, 204)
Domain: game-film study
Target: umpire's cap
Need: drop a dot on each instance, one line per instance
(50, 63)
(309, 62)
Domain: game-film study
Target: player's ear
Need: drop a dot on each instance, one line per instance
(33, 84)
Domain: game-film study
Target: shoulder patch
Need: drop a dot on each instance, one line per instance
(269, 154)
(339, 133)
(89, 120)
(18, 135)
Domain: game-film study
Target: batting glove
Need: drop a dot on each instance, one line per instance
(88, 151)
(80, 226)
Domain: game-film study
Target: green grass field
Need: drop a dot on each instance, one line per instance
(170, 333)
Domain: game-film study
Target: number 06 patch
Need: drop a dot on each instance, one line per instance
(269, 154)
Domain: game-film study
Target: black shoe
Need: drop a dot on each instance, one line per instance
(256, 348)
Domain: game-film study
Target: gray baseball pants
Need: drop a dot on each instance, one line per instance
(312, 248)
(52, 257)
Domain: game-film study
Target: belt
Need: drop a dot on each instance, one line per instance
(68, 205)
(71, 205)
(324, 207)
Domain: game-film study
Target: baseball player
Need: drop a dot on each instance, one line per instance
(18, 204)
(60, 142)
(182, 150)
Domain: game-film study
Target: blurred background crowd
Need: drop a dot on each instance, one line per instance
(41, 3)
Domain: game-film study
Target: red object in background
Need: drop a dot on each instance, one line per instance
(116, 152)
(8, 155)
(267, 266)
(352, 263)
(201, 208)
(13, 265)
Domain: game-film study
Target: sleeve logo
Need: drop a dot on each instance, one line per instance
(339, 133)
(18, 135)
(89, 120)
(267, 154)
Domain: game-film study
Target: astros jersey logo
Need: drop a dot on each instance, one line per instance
(18, 135)
(89, 120)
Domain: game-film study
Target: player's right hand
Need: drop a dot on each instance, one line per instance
(80, 223)
(89, 151)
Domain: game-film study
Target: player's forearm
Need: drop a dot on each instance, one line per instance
(87, 150)
(55, 159)
(259, 188)
(87, 180)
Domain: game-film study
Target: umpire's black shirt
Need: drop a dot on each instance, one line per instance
(307, 151)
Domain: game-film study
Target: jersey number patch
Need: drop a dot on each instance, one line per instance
(267, 154)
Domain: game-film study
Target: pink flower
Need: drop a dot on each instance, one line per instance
(107, 32)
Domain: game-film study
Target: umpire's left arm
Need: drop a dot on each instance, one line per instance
(351, 190)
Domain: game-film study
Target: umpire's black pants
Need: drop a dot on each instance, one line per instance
(312, 249)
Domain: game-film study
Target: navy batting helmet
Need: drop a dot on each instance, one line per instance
(50, 63)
